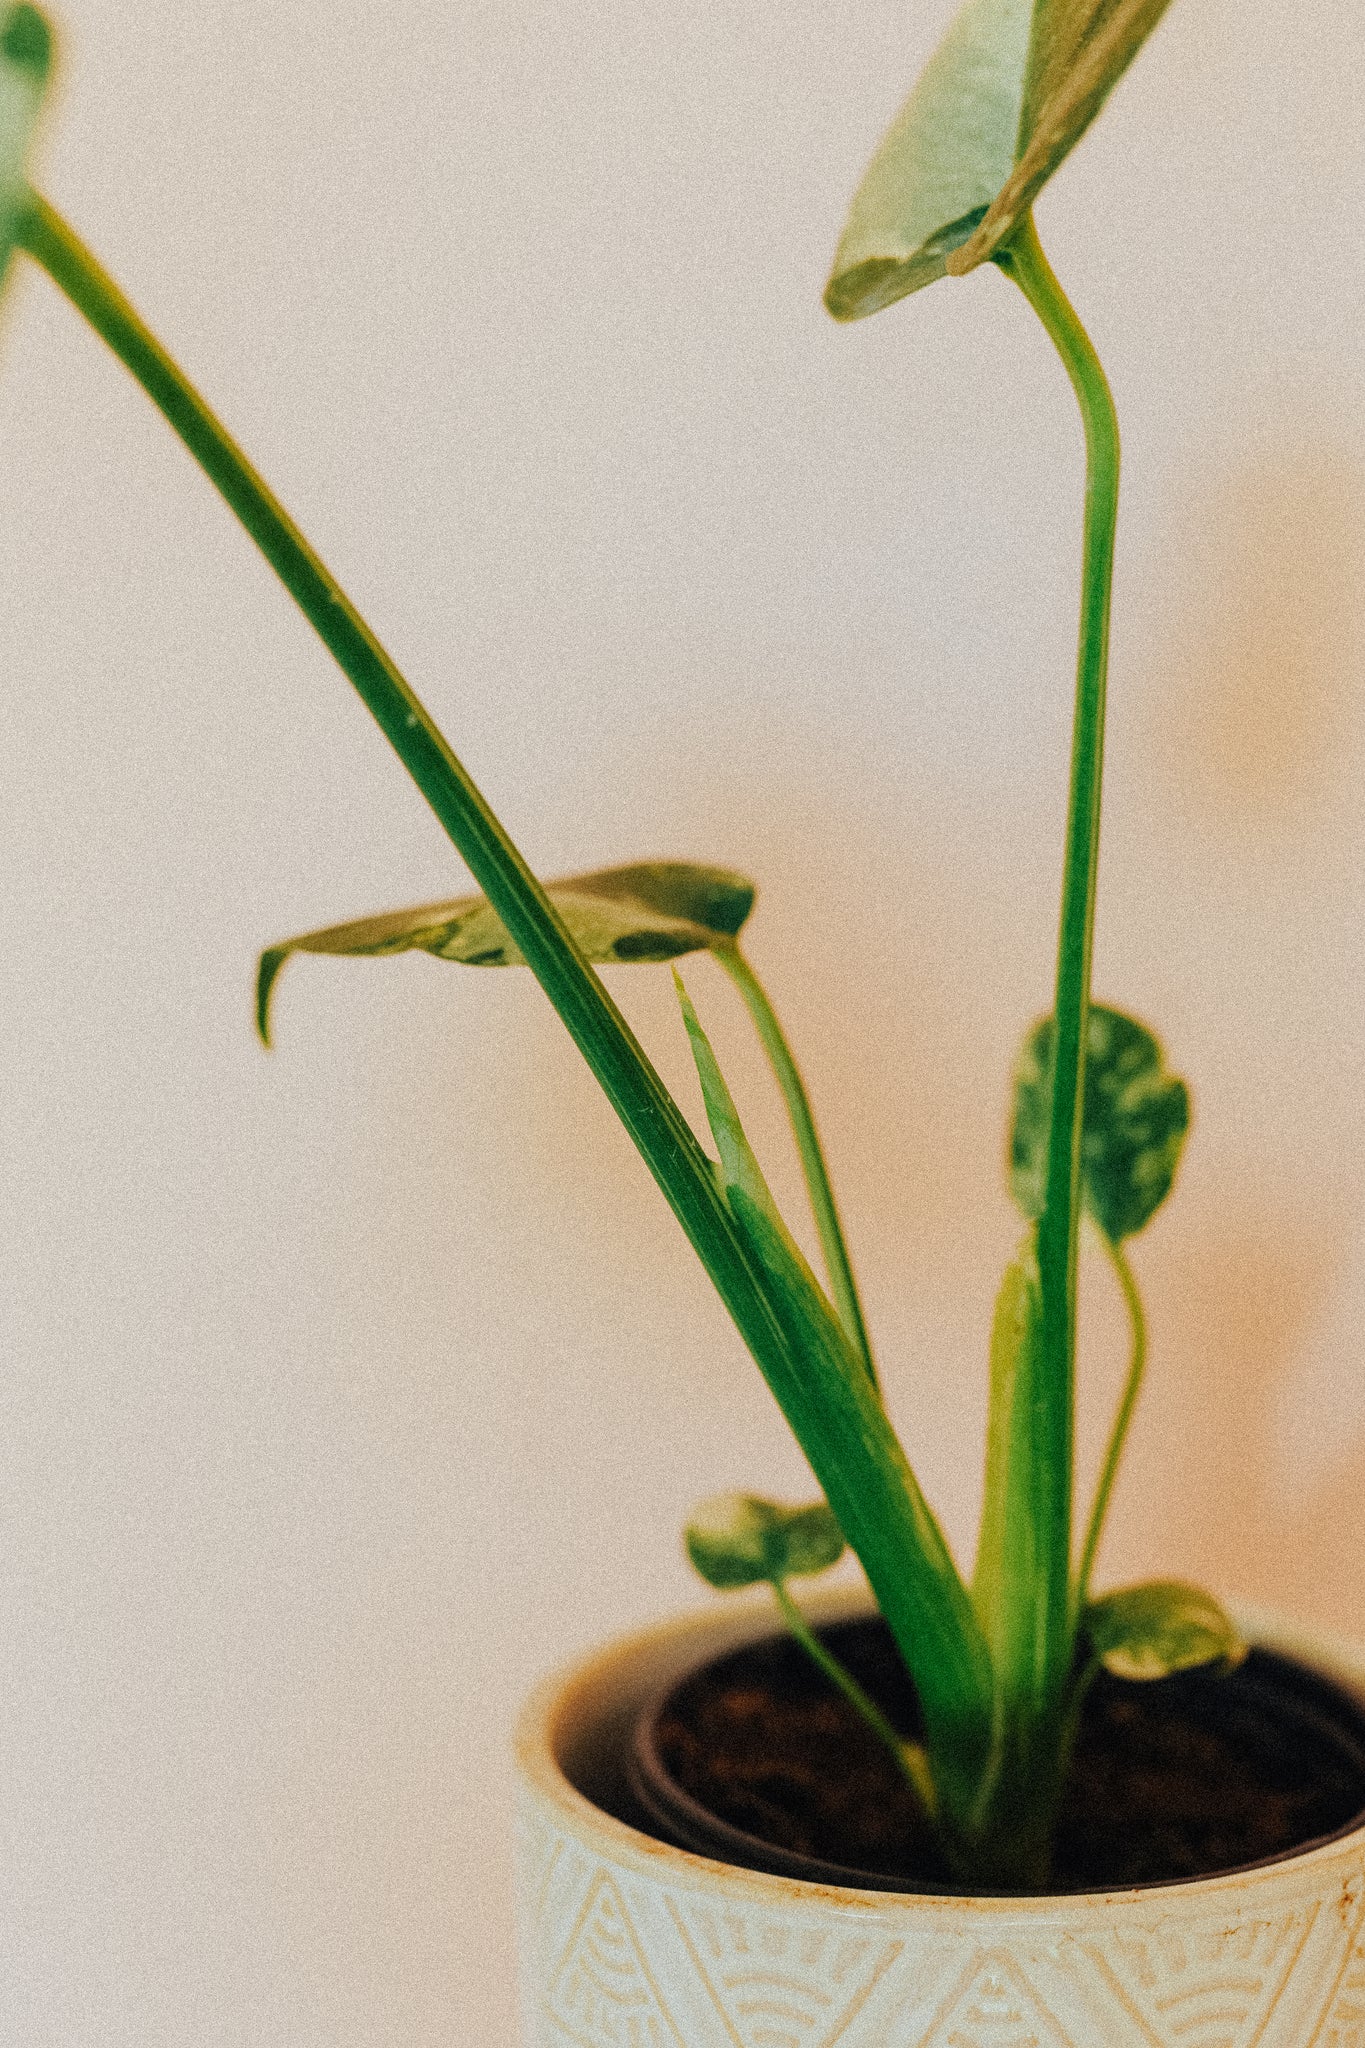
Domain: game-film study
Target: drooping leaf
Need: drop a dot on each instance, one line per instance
(1009, 1551)
(651, 910)
(738, 1539)
(25, 63)
(1151, 1630)
(1134, 1125)
(1005, 97)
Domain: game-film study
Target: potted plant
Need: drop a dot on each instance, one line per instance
(630, 1939)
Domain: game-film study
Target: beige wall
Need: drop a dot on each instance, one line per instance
(347, 1389)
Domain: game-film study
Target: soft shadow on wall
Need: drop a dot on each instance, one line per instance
(1251, 1450)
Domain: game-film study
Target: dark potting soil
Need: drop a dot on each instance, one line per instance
(1176, 1779)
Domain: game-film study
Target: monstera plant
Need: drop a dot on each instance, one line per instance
(1001, 1661)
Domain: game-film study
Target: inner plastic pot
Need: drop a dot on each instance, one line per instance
(754, 1759)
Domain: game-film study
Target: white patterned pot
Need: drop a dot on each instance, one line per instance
(628, 1943)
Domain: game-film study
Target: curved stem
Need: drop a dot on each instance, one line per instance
(1118, 1435)
(838, 1422)
(1024, 261)
(818, 1185)
(910, 1758)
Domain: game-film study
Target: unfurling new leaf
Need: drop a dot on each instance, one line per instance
(1134, 1124)
(737, 1539)
(1005, 97)
(651, 910)
(1149, 1631)
(1008, 1553)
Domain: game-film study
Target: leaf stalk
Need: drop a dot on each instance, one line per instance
(1132, 1387)
(1058, 1229)
(909, 1757)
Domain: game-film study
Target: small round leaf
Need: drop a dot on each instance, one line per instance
(1149, 1631)
(1136, 1118)
(737, 1539)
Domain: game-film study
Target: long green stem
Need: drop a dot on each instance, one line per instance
(910, 1758)
(839, 1424)
(1025, 262)
(1118, 1435)
(818, 1186)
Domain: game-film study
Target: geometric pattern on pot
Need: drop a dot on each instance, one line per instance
(627, 1943)
(615, 1961)
(1343, 2025)
(779, 1986)
(994, 2006)
(603, 1994)
(1215, 1987)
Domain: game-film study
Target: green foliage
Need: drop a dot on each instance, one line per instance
(25, 65)
(860, 1464)
(1008, 1553)
(737, 1539)
(1151, 1630)
(652, 910)
(946, 156)
(1005, 97)
(1135, 1120)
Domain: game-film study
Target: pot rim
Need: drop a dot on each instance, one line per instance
(588, 1687)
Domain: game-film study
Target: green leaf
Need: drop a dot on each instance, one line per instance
(941, 164)
(1010, 1549)
(737, 1539)
(1078, 52)
(841, 1425)
(1134, 1126)
(1152, 1630)
(1008, 93)
(25, 64)
(651, 910)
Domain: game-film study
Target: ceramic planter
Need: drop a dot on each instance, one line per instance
(629, 1943)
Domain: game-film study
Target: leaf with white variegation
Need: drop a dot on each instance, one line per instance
(1136, 1117)
(647, 911)
(739, 1539)
(1152, 1630)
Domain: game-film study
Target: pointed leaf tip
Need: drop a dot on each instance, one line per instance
(739, 1167)
(267, 971)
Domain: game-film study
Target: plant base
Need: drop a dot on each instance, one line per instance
(627, 1942)
(755, 1759)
